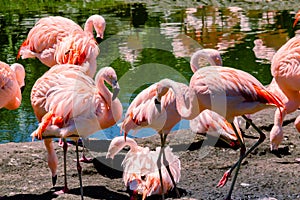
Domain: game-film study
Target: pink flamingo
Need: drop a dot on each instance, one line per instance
(44, 41)
(11, 80)
(139, 167)
(240, 92)
(67, 102)
(214, 124)
(285, 71)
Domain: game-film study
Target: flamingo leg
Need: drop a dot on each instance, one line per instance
(262, 137)
(159, 164)
(79, 169)
(83, 157)
(237, 165)
(166, 163)
(65, 148)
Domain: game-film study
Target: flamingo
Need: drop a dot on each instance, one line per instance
(68, 103)
(240, 92)
(214, 124)
(139, 167)
(285, 71)
(11, 80)
(78, 45)
(142, 112)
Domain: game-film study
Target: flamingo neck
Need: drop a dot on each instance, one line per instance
(186, 100)
(88, 27)
(103, 90)
(118, 143)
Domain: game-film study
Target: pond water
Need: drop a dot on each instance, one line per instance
(146, 41)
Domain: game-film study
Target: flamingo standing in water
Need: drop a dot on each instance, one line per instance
(68, 103)
(142, 113)
(240, 92)
(11, 80)
(45, 38)
(139, 167)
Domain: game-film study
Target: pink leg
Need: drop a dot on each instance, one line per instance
(65, 189)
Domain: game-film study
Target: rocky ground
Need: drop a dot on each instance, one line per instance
(24, 173)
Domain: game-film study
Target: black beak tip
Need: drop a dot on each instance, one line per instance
(54, 179)
(99, 40)
(156, 101)
(157, 105)
(22, 89)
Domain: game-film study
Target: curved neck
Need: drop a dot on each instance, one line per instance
(118, 143)
(212, 56)
(103, 90)
(186, 99)
(88, 26)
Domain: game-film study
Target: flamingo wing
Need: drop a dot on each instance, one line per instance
(143, 113)
(76, 48)
(47, 32)
(285, 64)
(10, 94)
(242, 92)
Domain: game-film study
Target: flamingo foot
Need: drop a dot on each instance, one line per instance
(85, 159)
(224, 179)
(63, 191)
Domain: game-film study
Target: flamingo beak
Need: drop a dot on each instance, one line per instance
(22, 89)
(157, 105)
(99, 40)
(54, 179)
(116, 89)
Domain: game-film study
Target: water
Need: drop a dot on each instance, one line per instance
(147, 41)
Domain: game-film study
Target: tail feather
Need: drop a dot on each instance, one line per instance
(46, 120)
(25, 43)
(267, 97)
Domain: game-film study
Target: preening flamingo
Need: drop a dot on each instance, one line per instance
(68, 102)
(43, 41)
(142, 112)
(214, 124)
(139, 167)
(11, 80)
(240, 92)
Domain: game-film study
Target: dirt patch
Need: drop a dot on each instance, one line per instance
(24, 173)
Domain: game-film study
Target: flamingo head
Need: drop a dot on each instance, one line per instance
(161, 90)
(211, 56)
(98, 23)
(99, 26)
(19, 72)
(109, 75)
